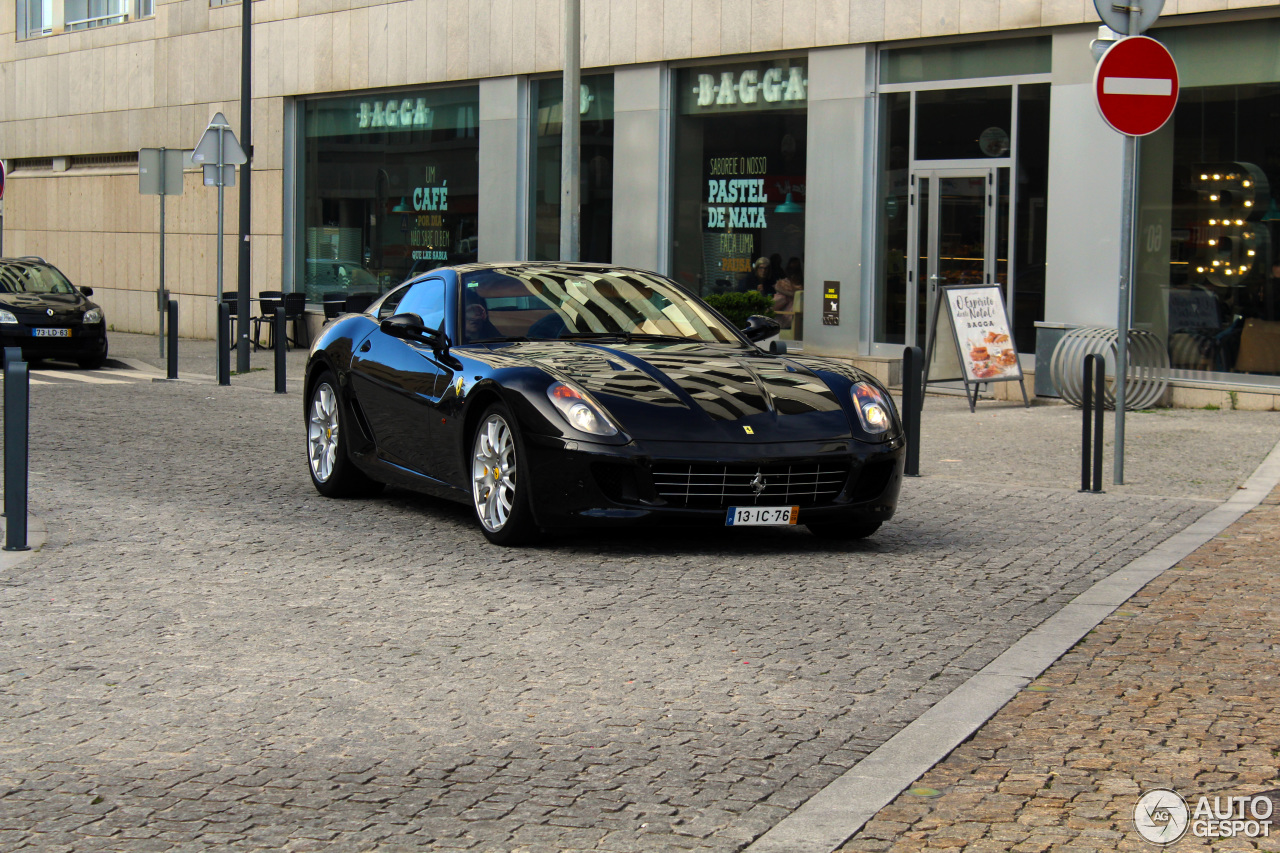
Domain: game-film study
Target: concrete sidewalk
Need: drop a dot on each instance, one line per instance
(206, 655)
(1178, 689)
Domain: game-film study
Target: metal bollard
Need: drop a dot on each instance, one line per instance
(17, 403)
(912, 397)
(282, 347)
(1092, 404)
(224, 336)
(173, 338)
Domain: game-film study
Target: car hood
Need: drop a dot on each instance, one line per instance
(697, 392)
(69, 306)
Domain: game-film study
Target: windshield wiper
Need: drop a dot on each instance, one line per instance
(626, 336)
(499, 340)
(647, 337)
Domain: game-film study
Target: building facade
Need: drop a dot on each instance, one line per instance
(865, 150)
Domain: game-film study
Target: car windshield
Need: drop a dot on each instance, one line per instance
(32, 278)
(542, 303)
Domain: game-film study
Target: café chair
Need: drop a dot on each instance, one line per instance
(268, 302)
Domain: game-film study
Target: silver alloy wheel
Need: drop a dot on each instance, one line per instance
(322, 432)
(493, 473)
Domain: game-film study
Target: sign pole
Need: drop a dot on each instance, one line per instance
(222, 344)
(570, 136)
(1128, 201)
(246, 197)
(220, 145)
(160, 173)
(160, 292)
(1127, 205)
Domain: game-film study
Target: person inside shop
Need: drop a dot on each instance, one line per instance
(761, 278)
(475, 315)
(784, 296)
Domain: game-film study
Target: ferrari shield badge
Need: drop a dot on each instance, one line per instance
(749, 430)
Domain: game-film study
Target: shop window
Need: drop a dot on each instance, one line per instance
(390, 188)
(739, 189)
(1031, 232)
(893, 224)
(595, 106)
(1207, 266)
(986, 58)
(1208, 277)
(950, 122)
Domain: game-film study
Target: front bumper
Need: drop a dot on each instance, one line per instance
(578, 483)
(84, 342)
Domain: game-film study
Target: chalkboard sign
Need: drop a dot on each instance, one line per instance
(981, 340)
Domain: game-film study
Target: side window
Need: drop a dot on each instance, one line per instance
(426, 299)
(388, 306)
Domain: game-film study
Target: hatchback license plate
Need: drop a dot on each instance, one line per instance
(743, 516)
(51, 333)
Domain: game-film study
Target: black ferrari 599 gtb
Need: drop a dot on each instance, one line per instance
(555, 395)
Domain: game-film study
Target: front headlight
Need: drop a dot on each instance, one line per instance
(7, 317)
(93, 315)
(874, 409)
(581, 413)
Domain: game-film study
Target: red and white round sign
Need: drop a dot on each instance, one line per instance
(1136, 84)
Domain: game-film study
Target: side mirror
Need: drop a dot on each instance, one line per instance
(409, 327)
(760, 327)
(87, 291)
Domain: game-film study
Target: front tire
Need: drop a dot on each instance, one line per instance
(332, 472)
(845, 531)
(499, 487)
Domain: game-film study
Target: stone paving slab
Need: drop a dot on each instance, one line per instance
(1176, 690)
(208, 655)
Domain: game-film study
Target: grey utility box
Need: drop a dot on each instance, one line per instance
(1047, 337)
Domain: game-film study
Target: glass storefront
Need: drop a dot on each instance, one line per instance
(390, 188)
(1208, 273)
(739, 183)
(596, 193)
(963, 185)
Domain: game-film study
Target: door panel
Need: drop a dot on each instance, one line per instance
(399, 386)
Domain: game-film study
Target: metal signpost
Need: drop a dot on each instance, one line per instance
(1136, 86)
(570, 138)
(160, 173)
(219, 152)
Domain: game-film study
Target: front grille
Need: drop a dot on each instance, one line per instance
(700, 485)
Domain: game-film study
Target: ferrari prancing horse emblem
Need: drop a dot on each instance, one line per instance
(749, 430)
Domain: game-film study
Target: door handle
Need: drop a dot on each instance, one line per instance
(365, 347)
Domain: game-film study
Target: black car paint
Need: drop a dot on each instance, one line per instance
(416, 409)
(51, 310)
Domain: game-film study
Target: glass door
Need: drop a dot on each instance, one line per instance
(952, 239)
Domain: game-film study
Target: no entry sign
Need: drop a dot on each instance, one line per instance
(1136, 84)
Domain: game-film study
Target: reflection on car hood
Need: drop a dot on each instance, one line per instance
(695, 391)
(62, 304)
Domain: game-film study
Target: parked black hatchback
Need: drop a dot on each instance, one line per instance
(42, 312)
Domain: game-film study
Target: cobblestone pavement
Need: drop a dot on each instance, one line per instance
(208, 655)
(1177, 689)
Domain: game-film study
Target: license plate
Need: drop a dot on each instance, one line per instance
(742, 516)
(51, 333)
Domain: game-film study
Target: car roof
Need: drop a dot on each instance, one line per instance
(542, 265)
